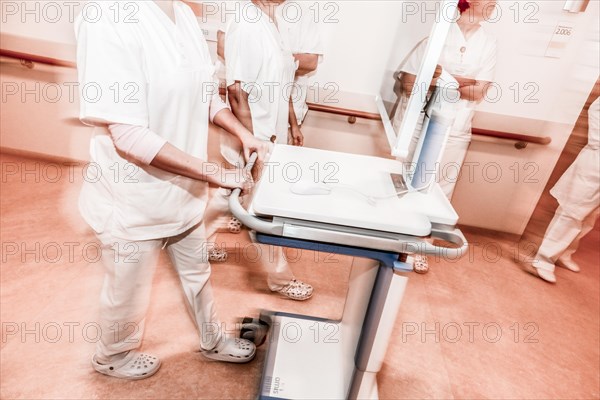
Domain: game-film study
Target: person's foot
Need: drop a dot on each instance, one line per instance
(217, 254)
(546, 275)
(297, 290)
(231, 350)
(133, 366)
(234, 225)
(254, 330)
(568, 263)
(420, 264)
(528, 266)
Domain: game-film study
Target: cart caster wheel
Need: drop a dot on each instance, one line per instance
(255, 330)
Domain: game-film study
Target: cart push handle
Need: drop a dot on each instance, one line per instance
(454, 236)
(244, 216)
(403, 244)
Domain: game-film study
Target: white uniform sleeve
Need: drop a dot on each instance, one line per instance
(414, 59)
(216, 105)
(488, 67)
(243, 52)
(112, 83)
(310, 36)
(137, 142)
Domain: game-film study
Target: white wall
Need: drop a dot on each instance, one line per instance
(43, 19)
(358, 45)
(358, 36)
(564, 83)
(40, 109)
(363, 38)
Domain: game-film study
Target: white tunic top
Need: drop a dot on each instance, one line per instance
(299, 30)
(151, 72)
(473, 58)
(257, 56)
(578, 190)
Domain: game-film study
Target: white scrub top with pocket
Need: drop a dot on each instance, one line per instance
(473, 58)
(296, 22)
(137, 67)
(257, 56)
(578, 190)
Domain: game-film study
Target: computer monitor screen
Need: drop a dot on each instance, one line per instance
(402, 112)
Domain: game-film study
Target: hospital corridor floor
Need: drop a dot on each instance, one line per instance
(478, 327)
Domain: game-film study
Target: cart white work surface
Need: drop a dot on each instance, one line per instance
(352, 178)
(344, 361)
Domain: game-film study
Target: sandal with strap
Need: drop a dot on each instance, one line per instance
(297, 290)
(232, 350)
(217, 254)
(133, 366)
(234, 225)
(420, 264)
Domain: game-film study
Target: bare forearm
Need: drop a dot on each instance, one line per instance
(307, 63)
(408, 83)
(240, 105)
(226, 119)
(239, 123)
(178, 162)
(297, 137)
(221, 44)
(292, 115)
(472, 90)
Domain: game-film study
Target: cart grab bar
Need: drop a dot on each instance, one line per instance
(454, 236)
(244, 216)
(402, 244)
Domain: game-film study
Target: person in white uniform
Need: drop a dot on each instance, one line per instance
(467, 68)
(578, 195)
(147, 85)
(467, 62)
(301, 32)
(260, 77)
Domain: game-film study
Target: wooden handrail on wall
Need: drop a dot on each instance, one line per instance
(513, 136)
(28, 59)
(345, 112)
(522, 140)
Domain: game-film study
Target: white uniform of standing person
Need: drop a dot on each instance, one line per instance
(147, 83)
(301, 34)
(473, 58)
(578, 195)
(261, 61)
(466, 69)
(298, 28)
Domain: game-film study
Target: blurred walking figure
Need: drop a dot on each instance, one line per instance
(465, 71)
(578, 195)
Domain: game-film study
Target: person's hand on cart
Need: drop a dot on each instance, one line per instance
(236, 178)
(263, 150)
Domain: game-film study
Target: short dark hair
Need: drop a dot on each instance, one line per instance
(463, 5)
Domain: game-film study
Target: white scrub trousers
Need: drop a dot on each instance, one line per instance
(562, 238)
(217, 215)
(451, 163)
(274, 261)
(125, 294)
